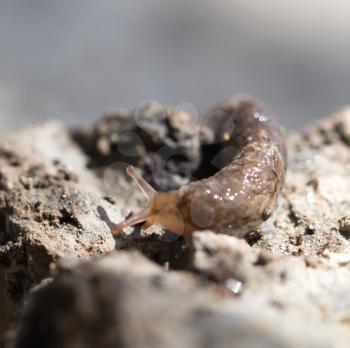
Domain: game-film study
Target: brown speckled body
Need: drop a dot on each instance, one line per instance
(243, 194)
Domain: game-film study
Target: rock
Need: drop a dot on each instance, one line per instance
(123, 300)
(221, 257)
(316, 192)
(286, 285)
(316, 285)
(48, 206)
(165, 143)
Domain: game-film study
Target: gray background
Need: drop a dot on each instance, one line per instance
(75, 59)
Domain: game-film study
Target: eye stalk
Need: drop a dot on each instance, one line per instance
(144, 214)
(145, 187)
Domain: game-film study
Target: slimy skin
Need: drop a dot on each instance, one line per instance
(240, 196)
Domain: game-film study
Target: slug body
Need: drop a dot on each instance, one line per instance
(240, 196)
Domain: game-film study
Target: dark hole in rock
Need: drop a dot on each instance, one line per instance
(309, 231)
(68, 219)
(174, 254)
(206, 167)
(293, 218)
(3, 233)
(344, 227)
(253, 237)
(345, 233)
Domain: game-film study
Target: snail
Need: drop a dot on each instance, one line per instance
(239, 197)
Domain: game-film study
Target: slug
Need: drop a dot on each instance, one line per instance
(240, 196)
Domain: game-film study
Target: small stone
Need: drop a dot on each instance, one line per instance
(234, 285)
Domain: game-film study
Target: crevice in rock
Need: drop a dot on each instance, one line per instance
(3, 224)
(172, 254)
(68, 218)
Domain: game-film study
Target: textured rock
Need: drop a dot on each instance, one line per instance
(315, 202)
(312, 288)
(164, 142)
(286, 285)
(123, 300)
(48, 206)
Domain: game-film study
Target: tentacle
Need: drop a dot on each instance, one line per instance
(145, 187)
(145, 213)
(134, 219)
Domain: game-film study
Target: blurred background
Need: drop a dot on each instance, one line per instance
(75, 59)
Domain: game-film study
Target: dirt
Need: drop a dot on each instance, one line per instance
(285, 285)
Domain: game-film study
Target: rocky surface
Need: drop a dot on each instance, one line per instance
(48, 206)
(313, 212)
(163, 141)
(124, 300)
(286, 285)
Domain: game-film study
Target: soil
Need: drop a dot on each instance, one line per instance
(285, 285)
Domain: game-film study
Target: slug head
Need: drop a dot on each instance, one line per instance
(162, 208)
